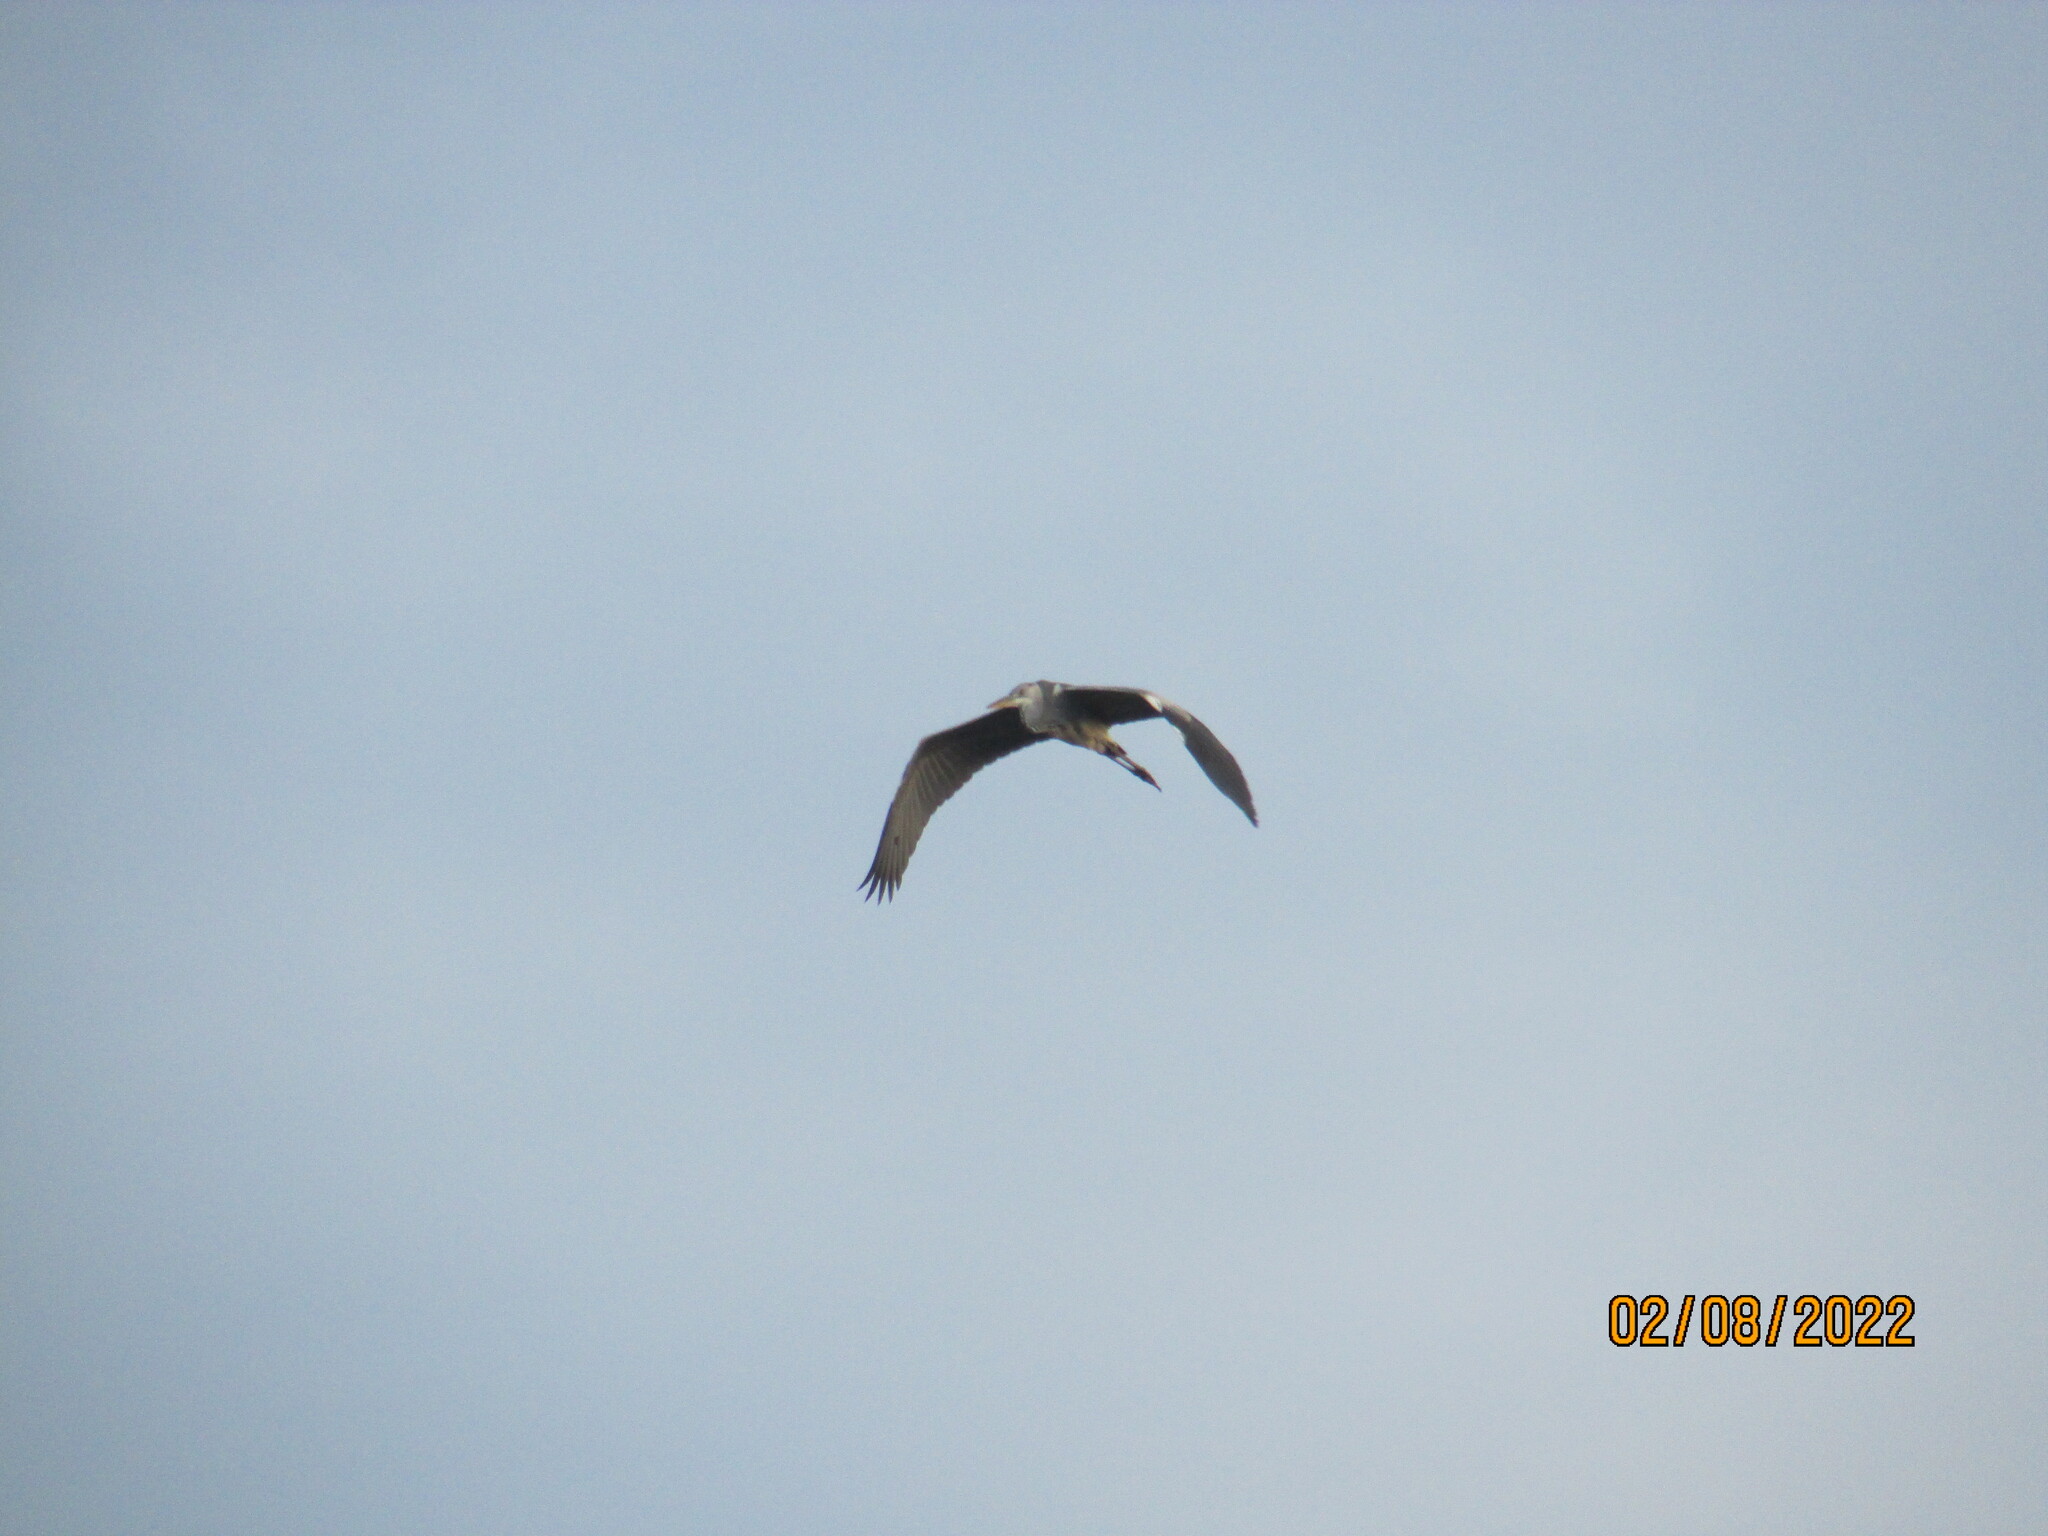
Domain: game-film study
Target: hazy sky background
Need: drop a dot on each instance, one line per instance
(492, 497)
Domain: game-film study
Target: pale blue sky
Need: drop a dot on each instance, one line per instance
(491, 498)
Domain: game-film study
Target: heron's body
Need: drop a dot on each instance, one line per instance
(1029, 713)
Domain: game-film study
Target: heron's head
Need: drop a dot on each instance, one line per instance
(1022, 694)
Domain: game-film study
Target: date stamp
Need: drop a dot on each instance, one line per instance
(1642, 1321)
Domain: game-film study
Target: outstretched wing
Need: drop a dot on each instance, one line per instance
(940, 765)
(1114, 706)
(1214, 757)
(1120, 706)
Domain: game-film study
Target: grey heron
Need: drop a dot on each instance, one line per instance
(1028, 713)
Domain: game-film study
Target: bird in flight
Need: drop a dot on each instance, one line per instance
(1028, 713)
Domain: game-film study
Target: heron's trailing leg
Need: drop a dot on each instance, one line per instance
(1096, 738)
(1116, 754)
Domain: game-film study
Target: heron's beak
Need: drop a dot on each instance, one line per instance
(1007, 700)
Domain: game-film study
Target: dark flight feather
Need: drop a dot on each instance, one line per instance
(942, 763)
